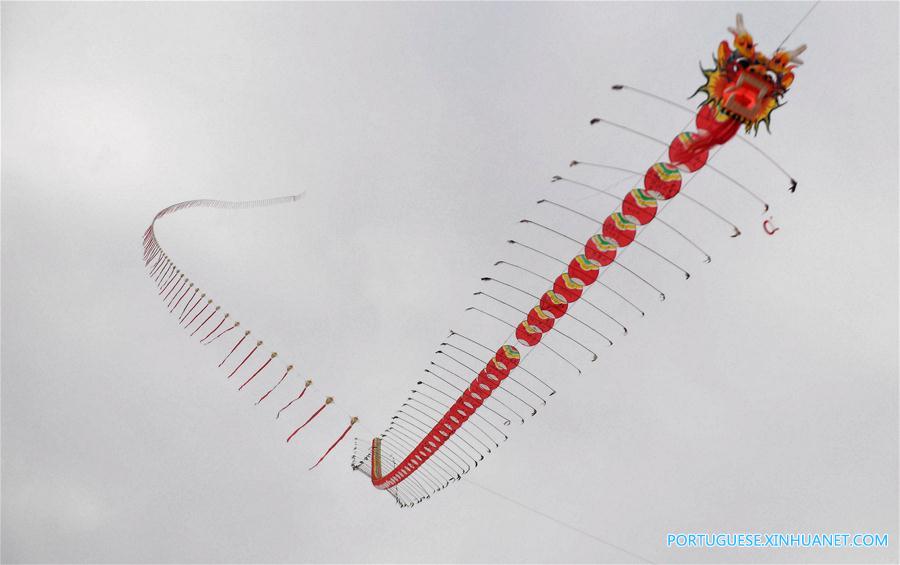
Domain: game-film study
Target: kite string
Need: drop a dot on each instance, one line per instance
(557, 521)
(783, 41)
(366, 429)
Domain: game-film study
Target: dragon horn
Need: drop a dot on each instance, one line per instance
(794, 54)
(739, 26)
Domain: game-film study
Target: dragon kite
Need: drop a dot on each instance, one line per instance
(460, 408)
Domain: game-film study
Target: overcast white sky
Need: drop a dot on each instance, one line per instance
(761, 396)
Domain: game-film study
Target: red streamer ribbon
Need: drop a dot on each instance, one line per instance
(236, 324)
(238, 344)
(299, 396)
(199, 300)
(205, 306)
(219, 325)
(353, 420)
(328, 401)
(180, 278)
(161, 275)
(258, 343)
(174, 296)
(268, 392)
(258, 371)
(187, 290)
(211, 314)
(168, 283)
(186, 304)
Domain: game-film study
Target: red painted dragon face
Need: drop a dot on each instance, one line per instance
(745, 84)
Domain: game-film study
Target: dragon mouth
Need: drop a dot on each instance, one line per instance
(746, 96)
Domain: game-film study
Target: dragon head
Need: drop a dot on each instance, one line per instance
(745, 84)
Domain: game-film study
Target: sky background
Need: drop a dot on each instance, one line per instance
(762, 395)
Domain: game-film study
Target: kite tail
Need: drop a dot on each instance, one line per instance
(241, 364)
(219, 325)
(186, 304)
(328, 401)
(197, 315)
(281, 380)
(236, 345)
(186, 291)
(299, 396)
(353, 420)
(236, 324)
(177, 292)
(258, 371)
(174, 287)
(203, 323)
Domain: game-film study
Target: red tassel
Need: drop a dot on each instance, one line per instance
(157, 266)
(162, 273)
(219, 325)
(152, 253)
(174, 296)
(188, 303)
(171, 269)
(238, 344)
(165, 273)
(180, 277)
(163, 262)
(258, 371)
(211, 314)
(328, 401)
(199, 300)
(353, 420)
(258, 343)
(236, 324)
(268, 392)
(187, 290)
(299, 396)
(172, 278)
